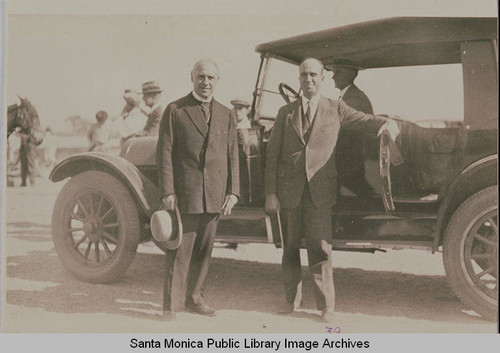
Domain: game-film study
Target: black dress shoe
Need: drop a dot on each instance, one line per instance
(286, 308)
(202, 309)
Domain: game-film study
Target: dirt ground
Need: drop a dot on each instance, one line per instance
(400, 291)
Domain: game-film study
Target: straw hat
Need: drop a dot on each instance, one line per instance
(151, 87)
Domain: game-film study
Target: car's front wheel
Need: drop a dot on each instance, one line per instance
(95, 227)
(471, 252)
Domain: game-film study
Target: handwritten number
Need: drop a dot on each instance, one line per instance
(329, 329)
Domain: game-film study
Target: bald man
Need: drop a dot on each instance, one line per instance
(197, 157)
(301, 180)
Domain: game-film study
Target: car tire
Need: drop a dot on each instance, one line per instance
(95, 227)
(471, 255)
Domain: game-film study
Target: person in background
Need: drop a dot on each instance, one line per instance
(131, 121)
(14, 142)
(240, 111)
(350, 157)
(152, 107)
(98, 134)
(13, 147)
(49, 146)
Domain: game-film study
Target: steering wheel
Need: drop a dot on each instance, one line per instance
(283, 87)
(384, 160)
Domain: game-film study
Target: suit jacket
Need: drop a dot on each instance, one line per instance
(291, 162)
(357, 99)
(197, 161)
(350, 155)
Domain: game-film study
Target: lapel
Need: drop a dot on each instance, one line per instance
(320, 118)
(296, 119)
(193, 110)
(217, 119)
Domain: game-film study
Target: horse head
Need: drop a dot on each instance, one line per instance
(22, 115)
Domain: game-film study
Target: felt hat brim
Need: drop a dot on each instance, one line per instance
(166, 228)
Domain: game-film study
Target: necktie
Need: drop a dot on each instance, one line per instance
(306, 120)
(205, 106)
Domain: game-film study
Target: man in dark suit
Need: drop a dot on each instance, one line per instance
(350, 156)
(197, 157)
(301, 180)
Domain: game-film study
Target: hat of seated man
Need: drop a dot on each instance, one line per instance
(337, 63)
(166, 228)
(151, 87)
(241, 102)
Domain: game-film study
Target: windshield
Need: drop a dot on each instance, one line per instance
(427, 95)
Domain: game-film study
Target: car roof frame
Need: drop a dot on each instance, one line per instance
(397, 41)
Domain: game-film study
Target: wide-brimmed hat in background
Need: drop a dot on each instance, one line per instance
(166, 227)
(151, 87)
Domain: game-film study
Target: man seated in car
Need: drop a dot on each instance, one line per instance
(249, 136)
(350, 157)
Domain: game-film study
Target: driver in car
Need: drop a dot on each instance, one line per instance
(350, 156)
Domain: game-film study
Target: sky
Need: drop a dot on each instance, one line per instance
(77, 57)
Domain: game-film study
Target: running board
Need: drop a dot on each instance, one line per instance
(340, 244)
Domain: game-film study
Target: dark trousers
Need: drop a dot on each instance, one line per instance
(27, 159)
(315, 225)
(187, 266)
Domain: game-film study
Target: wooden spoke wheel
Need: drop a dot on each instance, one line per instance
(95, 227)
(471, 252)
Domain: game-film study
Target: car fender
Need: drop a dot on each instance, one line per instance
(145, 193)
(477, 176)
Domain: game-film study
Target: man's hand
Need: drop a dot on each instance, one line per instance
(272, 203)
(229, 203)
(392, 127)
(169, 202)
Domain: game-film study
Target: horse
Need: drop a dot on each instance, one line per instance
(24, 118)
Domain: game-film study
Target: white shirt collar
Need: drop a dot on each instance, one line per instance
(314, 100)
(344, 91)
(209, 99)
